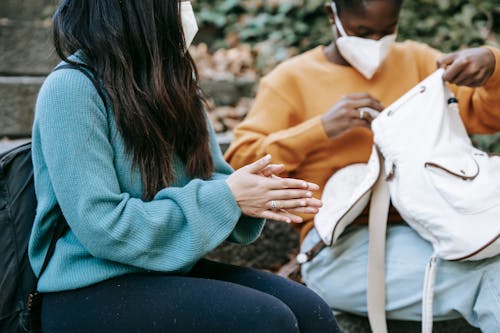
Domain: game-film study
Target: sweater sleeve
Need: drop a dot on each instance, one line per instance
(247, 229)
(479, 107)
(274, 126)
(169, 233)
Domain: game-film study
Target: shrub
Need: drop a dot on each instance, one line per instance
(278, 29)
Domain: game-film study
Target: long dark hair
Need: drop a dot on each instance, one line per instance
(137, 49)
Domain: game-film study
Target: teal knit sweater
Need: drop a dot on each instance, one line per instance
(81, 165)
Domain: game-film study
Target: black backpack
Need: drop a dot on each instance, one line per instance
(19, 300)
(17, 213)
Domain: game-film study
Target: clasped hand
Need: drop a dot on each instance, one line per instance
(262, 194)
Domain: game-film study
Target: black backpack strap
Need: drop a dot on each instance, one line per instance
(89, 74)
(61, 226)
(33, 321)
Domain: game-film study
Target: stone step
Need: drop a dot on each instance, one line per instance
(6, 144)
(26, 47)
(228, 92)
(18, 95)
(27, 9)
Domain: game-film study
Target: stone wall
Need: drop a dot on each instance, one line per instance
(26, 56)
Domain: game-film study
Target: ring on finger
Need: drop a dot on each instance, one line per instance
(274, 205)
(361, 113)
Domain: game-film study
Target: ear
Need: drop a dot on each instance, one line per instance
(329, 13)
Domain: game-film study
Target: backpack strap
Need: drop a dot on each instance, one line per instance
(428, 294)
(32, 322)
(377, 226)
(34, 302)
(89, 74)
(61, 226)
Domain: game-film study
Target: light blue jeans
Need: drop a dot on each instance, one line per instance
(469, 289)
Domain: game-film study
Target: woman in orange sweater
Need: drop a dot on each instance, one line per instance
(306, 115)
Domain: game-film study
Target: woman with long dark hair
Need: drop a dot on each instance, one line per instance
(133, 167)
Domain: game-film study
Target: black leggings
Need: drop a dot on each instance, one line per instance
(213, 297)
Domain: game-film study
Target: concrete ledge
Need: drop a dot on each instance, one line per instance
(27, 9)
(18, 95)
(26, 48)
(350, 323)
(6, 145)
(227, 92)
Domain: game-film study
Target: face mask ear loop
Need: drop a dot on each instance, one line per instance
(338, 23)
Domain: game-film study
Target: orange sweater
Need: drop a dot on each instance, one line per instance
(285, 120)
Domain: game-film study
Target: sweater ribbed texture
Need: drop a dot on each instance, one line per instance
(81, 165)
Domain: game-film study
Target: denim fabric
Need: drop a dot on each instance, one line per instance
(212, 297)
(470, 289)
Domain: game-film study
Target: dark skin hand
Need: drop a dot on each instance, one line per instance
(469, 67)
(345, 114)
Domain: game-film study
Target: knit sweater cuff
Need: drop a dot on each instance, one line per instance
(311, 135)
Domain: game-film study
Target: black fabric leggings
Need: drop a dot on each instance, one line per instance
(213, 297)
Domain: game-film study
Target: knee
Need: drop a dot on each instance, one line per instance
(274, 316)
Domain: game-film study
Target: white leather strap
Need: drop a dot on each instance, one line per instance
(379, 210)
(428, 295)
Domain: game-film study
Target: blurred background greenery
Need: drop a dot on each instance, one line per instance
(289, 26)
(270, 31)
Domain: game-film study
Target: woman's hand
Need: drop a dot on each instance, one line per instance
(349, 112)
(261, 194)
(469, 67)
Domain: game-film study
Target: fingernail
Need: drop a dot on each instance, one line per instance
(266, 158)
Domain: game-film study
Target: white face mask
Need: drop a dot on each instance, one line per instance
(189, 24)
(366, 55)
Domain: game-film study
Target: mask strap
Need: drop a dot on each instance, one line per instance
(337, 20)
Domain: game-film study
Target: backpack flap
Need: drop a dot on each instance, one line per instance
(345, 196)
(466, 180)
(444, 188)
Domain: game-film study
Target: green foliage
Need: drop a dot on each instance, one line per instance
(266, 24)
(489, 143)
(278, 29)
(298, 25)
(451, 24)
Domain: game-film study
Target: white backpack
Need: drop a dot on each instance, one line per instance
(444, 188)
